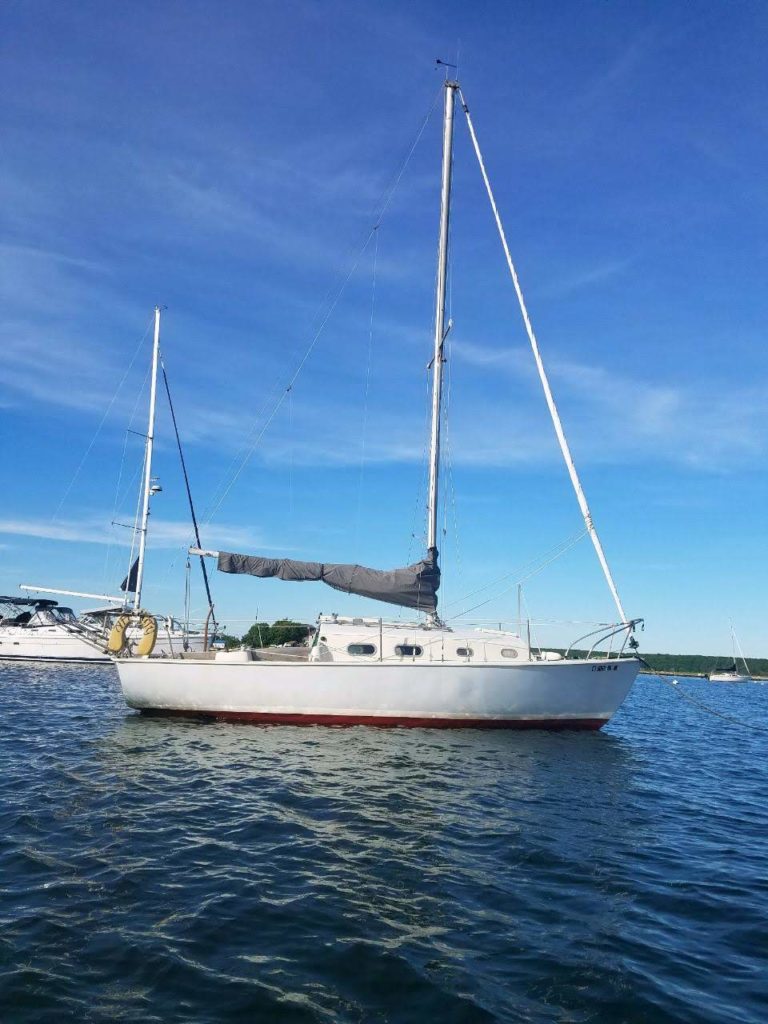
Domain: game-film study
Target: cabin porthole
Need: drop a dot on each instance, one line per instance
(508, 652)
(409, 651)
(361, 649)
(464, 652)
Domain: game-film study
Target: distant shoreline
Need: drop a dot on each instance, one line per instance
(687, 675)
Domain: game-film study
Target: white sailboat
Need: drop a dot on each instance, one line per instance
(731, 673)
(385, 673)
(95, 627)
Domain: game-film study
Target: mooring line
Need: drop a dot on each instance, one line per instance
(673, 683)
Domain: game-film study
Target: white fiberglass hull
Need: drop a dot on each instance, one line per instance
(48, 643)
(546, 695)
(728, 677)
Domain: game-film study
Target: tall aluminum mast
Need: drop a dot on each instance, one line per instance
(148, 489)
(440, 332)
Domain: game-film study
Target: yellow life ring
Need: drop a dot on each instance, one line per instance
(117, 638)
(146, 644)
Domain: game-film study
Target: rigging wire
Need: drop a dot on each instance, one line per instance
(187, 598)
(131, 484)
(329, 303)
(284, 393)
(290, 460)
(556, 421)
(108, 555)
(136, 521)
(424, 474)
(447, 478)
(537, 566)
(422, 480)
(568, 542)
(367, 391)
(531, 624)
(103, 420)
(189, 493)
(737, 644)
(449, 485)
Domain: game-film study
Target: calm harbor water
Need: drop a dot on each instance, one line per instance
(166, 871)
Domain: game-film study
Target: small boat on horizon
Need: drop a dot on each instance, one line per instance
(731, 673)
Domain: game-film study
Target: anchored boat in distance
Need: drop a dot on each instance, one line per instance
(731, 673)
(423, 673)
(34, 629)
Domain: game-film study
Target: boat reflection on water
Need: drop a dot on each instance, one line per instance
(382, 840)
(372, 787)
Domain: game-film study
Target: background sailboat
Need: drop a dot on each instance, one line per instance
(95, 625)
(731, 673)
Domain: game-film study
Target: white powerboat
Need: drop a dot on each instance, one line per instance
(33, 629)
(385, 673)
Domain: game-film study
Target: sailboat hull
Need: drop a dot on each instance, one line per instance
(538, 695)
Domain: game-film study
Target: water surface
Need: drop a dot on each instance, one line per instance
(170, 870)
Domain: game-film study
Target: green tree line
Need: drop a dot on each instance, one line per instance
(701, 664)
(262, 634)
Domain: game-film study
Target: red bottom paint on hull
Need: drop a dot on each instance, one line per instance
(383, 722)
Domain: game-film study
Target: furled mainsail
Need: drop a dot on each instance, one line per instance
(414, 586)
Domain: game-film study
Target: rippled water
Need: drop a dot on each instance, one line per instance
(156, 870)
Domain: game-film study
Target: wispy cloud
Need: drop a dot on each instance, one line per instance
(164, 534)
(15, 252)
(695, 425)
(54, 352)
(610, 417)
(585, 277)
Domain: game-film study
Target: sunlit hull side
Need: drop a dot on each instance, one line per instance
(556, 695)
(48, 643)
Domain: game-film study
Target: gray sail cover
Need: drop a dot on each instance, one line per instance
(414, 586)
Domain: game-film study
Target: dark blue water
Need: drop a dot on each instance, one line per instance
(157, 870)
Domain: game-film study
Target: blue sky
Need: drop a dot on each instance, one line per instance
(227, 161)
